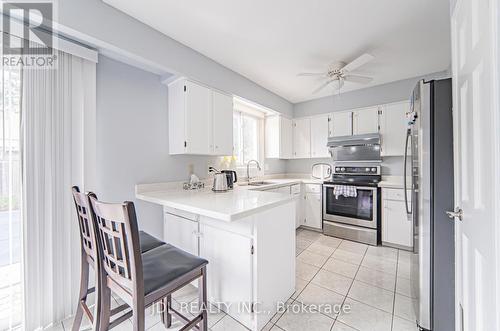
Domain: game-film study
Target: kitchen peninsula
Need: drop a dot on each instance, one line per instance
(247, 236)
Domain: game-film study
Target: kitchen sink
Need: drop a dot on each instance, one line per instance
(260, 183)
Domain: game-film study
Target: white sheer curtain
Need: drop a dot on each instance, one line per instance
(58, 124)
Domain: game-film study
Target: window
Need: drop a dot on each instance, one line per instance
(247, 140)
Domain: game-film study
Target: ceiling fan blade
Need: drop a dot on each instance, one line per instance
(358, 62)
(305, 74)
(322, 86)
(358, 79)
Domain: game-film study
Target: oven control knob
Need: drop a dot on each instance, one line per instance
(337, 169)
(374, 169)
(342, 169)
(367, 169)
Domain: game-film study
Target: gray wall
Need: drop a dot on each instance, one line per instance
(122, 37)
(386, 93)
(132, 135)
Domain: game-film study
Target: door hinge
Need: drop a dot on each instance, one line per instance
(252, 250)
(185, 143)
(185, 88)
(380, 112)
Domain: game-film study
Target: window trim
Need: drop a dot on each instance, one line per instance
(242, 168)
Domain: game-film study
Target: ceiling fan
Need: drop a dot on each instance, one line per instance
(340, 72)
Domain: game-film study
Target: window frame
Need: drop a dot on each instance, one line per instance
(241, 168)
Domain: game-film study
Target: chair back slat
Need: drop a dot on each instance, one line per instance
(118, 236)
(85, 224)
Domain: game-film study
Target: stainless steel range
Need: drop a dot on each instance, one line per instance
(351, 203)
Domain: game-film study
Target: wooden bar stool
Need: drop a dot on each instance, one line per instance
(138, 279)
(89, 256)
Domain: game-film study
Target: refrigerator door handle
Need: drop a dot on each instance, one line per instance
(408, 208)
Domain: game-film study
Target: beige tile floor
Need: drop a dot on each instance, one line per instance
(372, 281)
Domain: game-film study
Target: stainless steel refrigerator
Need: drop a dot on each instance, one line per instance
(429, 162)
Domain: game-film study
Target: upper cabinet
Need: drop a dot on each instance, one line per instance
(319, 136)
(340, 124)
(365, 120)
(278, 137)
(199, 119)
(222, 106)
(302, 138)
(393, 128)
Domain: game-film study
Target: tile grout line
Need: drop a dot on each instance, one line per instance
(309, 281)
(343, 302)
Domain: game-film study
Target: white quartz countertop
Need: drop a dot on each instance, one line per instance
(394, 182)
(228, 206)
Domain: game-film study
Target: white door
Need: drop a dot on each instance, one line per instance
(340, 124)
(314, 216)
(286, 139)
(476, 126)
(393, 126)
(319, 136)
(302, 138)
(198, 119)
(181, 233)
(365, 120)
(396, 229)
(222, 109)
(230, 266)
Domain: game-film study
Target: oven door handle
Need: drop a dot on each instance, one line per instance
(372, 188)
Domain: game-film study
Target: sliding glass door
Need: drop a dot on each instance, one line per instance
(10, 200)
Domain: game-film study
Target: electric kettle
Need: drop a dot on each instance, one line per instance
(220, 182)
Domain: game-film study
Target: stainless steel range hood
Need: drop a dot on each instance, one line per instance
(357, 148)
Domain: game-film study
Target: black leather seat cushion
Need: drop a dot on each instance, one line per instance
(165, 263)
(148, 242)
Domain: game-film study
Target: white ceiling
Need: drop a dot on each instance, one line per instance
(270, 41)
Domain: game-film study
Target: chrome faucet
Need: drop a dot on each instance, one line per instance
(248, 168)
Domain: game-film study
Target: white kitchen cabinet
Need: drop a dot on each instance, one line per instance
(199, 118)
(397, 230)
(230, 270)
(181, 232)
(222, 107)
(340, 124)
(278, 137)
(365, 120)
(313, 206)
(319, 136)
(302, 138)
(242, 258)
(393, 126)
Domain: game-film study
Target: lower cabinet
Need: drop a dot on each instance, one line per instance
(243, 258)
(397, 230)
(230, 267)
(181, 232)
(313, 206)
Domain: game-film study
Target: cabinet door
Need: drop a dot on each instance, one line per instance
(393, 128)
(302, 138)
(222, 109)
(181, 233)
(319, 136)
(272, 137)
(314, 217)
(365, 121)
(340, 124)
(230, 265)
(286, 139)
(396, 229)
(198, 119)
